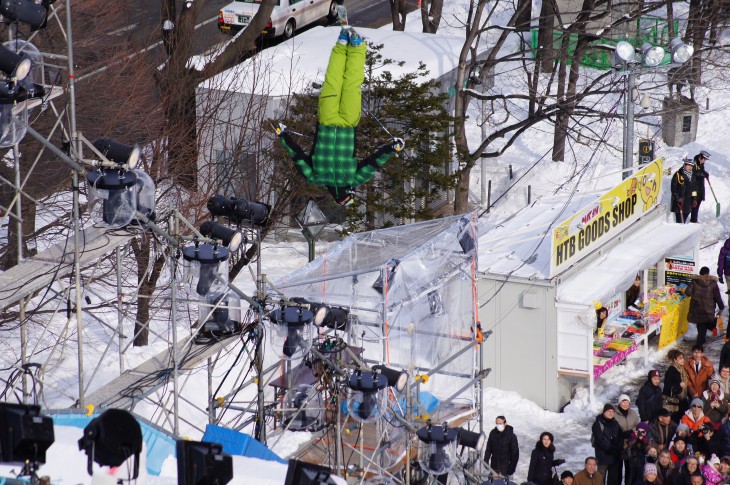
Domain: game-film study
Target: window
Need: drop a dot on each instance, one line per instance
(686, 123)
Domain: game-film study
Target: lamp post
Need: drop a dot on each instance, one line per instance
(627, 59)
(312, 221)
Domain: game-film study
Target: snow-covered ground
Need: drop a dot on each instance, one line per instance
(571, 427)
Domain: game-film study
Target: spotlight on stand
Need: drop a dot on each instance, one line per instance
(240, 211)
(301, 473)
(367, 402)
(111, 438)
(15, 66)
(332, 317)
(624, 54)
(292, 330)
(681, 52)
(112, 196)
(303, 406)
(200, 462)
(471, 439)
(25, 436)
(221, 313)
(437, 448)
(25, 11)
(231, 238)
(396, 379)
(29, 86)
(126, 156)
(204, 265)
(652, 55)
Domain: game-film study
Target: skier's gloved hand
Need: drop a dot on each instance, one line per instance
(280, 129)
(398, 144)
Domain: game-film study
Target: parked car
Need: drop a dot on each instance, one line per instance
(287, 16)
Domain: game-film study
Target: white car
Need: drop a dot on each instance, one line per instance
(287, 16)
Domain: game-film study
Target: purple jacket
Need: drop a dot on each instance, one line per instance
(722, 268)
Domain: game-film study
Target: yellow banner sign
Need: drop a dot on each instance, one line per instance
(595, 225)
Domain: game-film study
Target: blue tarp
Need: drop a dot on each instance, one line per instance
(237, 443)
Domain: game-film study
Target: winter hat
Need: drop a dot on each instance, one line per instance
(566, 474)
(643, 425)
(682, 427)
(608, 407)
(623, 397)
(654, 373)
(705, 154)
(696, 402)
(663, 412)
(716, 380)
(713, 461)
(649, 469)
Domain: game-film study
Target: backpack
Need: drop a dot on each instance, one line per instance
(593, 438)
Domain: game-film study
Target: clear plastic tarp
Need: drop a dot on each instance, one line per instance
(411, 294)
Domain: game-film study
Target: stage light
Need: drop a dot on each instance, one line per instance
(391, 265)
(112, 196)
(292, 330)
(221, 313)
(30, 85)
(25, 11)
(437, 448)
(681, 52)
(367, 402)
(126, 156)
(332, 317)
(653, 55)
(231, 238)
(111, 438)
(202, 463)
(25, 435)
(15, 66)
(397, 379)
(471, 439)
(202, 263)
(240, 211)
(303, 408)
(301, 473)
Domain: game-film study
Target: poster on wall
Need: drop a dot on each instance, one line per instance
(678, 271)
(593, 226)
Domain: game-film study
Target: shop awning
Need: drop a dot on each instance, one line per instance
(617, 270)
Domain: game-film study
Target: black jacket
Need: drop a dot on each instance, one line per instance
(699, 175)
(672, 382)
(649, 400)
(705, 296)
(662, 435)
(710, 447)
(682, 187)
(541, 466)
(608, 440)
(503, 450)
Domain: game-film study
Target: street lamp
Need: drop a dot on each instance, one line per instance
(628, 60)
(312, 221)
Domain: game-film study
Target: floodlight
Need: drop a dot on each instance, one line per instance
(240, 210)
(303, 405)
(471, 439)
(332, 317)
(112, 196)
(15, 66)
(652, 55)
(119, 153)
(367, 402)
(25, 11)
(220, 313)
(206, 266)
(111, 438)
(29, 86)
(230, 237)
(25, 435)
(292, 330)
(396, 378)
(681, 52)
(391, 267)
(202, 463)
(625, 51)
(301, 473)
(437, 448)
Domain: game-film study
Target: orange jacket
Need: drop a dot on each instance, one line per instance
(693, 424)
(697, 381)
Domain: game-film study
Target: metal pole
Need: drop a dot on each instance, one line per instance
(173, 322)
(77, 285)
(482, 159)
(260, 356)
(310, 243)
(23, 348)
(120, 312)
(19, 236)
(628, 162)
(211, 398)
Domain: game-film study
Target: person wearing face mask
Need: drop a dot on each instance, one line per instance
(502, 451)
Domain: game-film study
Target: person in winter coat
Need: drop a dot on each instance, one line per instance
(699, 370)
(566, 478)
(650, 475)
(589, 475)
(679, 452)
(502, 451)
(708, 442)
(681, 188)
(725, 467)
(723, 262)
(685, 433)
(635, 452)
(691, 468)
(627, 420)
(699, 175)
(608, 443)
(715, 403)
(634, 291)
(725, 439)
(711, 471)
(649, 400)
(663, 429)
(723, 375)
(705, 296)
(646, 453)
(665, 468)
(694, 417)
(332, 162)
(676, 385)
(542, 461)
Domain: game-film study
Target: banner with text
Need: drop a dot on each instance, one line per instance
(595, 225)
